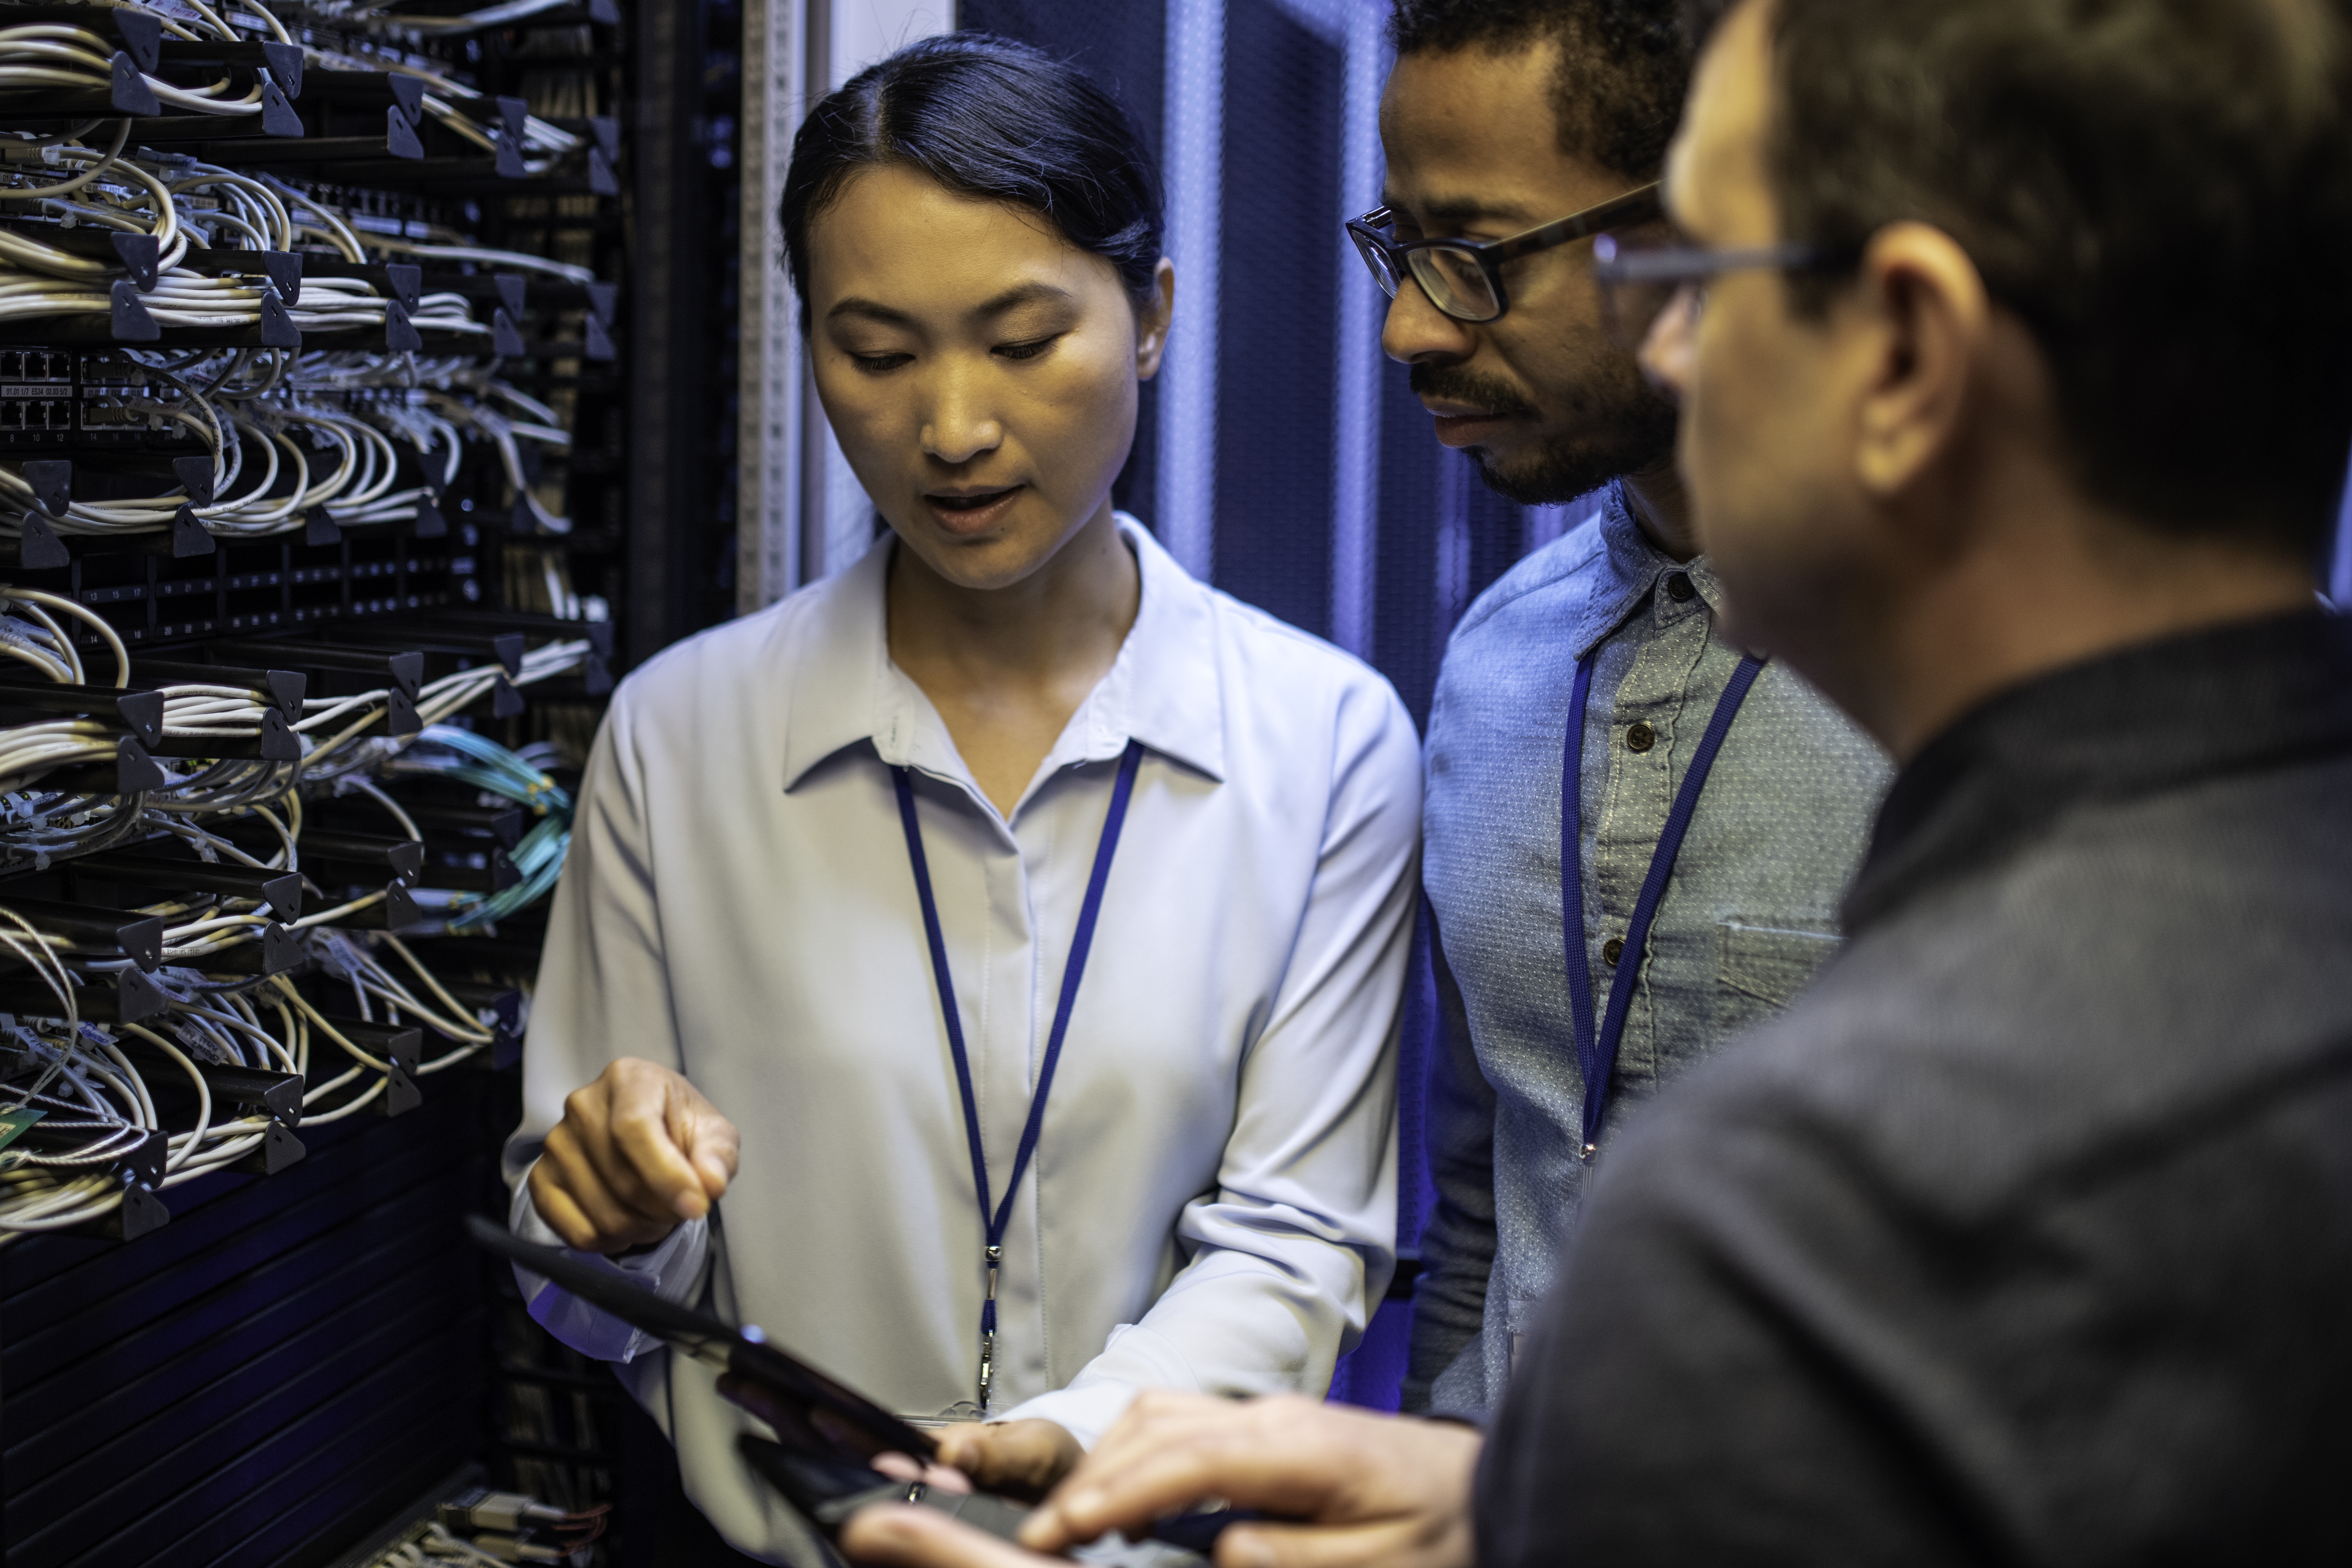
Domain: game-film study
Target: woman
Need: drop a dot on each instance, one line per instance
(1036, 914)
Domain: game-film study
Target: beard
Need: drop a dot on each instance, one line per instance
(1617, 423)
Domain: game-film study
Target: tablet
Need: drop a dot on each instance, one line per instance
(819, 1460)
(837, 1419)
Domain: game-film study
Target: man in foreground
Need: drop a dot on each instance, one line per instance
(2026, 1236)
(1603, 653)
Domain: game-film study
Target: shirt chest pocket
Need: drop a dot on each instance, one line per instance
(1761, 969)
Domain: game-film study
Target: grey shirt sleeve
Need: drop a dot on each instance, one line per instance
(1457, 1245)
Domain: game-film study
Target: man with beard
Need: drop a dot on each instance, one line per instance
(1682, 917)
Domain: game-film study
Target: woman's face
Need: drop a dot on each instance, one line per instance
(979, 369)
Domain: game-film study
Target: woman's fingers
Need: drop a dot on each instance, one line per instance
(1172, 1450)
(706, 1138)
(907, 1467)
(562, 1216)
(603, 1221)
(900, 1536)
(638, 1151)
(1023, 1460)
(653, 1116)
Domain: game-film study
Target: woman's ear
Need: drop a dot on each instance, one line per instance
(1152, 320)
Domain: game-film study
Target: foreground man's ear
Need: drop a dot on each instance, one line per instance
(1922, 326)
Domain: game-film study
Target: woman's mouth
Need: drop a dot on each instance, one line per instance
(971, 511)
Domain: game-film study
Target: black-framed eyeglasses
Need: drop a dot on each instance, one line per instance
(1639, 283)
(1464, 278)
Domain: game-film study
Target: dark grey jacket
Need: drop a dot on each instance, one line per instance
(2026, 1236)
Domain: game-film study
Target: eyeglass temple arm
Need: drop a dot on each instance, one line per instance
(1635, 207)
(1683, 266)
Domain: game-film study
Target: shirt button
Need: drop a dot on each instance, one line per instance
(1679, 589)
(1640, 738)
(1612, 950)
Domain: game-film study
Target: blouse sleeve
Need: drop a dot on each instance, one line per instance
(602, 993)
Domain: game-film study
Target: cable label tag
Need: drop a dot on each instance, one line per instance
(13, 1123)
(202, 1046)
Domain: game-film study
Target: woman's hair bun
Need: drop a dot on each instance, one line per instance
(991, 118)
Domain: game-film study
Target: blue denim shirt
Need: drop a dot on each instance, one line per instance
(1751, 912)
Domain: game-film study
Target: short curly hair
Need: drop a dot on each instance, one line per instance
(1624, 67)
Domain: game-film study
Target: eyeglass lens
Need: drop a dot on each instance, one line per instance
(1376, 259)
(1455, 283)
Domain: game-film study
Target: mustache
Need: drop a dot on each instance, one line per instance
(1458, 384)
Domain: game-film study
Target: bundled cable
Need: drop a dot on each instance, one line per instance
(98, 1110)
(343, 720)
(496, 16)
(277, 450)
(56, 55)
(446, 752)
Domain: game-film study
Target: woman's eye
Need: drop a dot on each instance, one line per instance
(1029, 350)
(874, 364)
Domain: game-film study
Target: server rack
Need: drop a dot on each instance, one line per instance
(356, 418)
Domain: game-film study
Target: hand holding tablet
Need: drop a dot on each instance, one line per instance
(835, 1451)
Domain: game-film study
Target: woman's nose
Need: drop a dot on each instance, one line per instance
(958, 428)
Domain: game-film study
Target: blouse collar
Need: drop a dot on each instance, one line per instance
(1164, 689)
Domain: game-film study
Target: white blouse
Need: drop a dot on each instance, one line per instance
(1211, 1205)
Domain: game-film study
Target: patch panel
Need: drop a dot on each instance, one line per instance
(34, 365)
(80, 399)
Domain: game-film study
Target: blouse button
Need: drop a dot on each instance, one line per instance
(1639, 737)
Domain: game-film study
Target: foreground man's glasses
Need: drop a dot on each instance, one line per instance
(1640, 283)
(1464, 278)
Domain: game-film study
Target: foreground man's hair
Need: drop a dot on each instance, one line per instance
(2161, 189)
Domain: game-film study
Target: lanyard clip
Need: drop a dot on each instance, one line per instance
(1589, 1150)
(993, 1256)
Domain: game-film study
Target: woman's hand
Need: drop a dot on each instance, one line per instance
(1023, 1460)
(637, 1151)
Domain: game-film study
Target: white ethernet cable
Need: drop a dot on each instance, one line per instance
(436, 700)
(496, 16)
(55, 54)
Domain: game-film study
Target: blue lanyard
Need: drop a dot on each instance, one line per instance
(1596, 1051)
(994, 1218)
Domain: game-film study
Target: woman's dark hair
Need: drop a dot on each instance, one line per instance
(991, 118)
